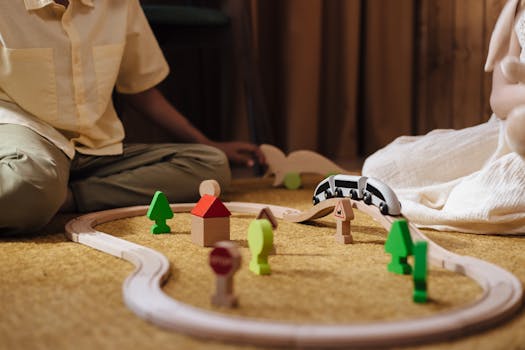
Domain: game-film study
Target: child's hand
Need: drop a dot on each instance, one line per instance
(241, 152)
(513, 70)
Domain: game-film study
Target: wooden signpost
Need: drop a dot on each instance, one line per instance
(225, 260)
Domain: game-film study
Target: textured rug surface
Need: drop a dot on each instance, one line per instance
(56, 294)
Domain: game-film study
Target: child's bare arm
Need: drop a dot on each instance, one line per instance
(152, 104)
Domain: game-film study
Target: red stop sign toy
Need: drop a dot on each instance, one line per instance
(221, 261)
(225, 260)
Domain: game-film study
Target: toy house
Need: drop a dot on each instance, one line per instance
(210, 222)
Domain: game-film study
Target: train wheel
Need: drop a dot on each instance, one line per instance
(353, 194)
(338, 192)
(328, 194)
(315, 200)
(383, 208)
(367, 198)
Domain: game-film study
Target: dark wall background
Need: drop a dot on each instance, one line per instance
(200, 80)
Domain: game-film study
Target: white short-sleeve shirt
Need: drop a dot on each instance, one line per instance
(59, 66)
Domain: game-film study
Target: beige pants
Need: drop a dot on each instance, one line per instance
(35, 175)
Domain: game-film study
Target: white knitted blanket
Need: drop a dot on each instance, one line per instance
(463, 180)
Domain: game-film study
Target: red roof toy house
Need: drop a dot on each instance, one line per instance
(210, 222)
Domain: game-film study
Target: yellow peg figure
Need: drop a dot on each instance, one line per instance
(260, 241)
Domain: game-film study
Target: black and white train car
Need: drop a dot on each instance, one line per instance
(371, 191)
(380, 195)
(323, 191)
(350, 186)
(340, 186)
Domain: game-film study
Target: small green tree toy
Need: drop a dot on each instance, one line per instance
(159, 211)
(399, 245)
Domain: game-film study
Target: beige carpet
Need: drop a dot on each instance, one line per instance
(56, 294)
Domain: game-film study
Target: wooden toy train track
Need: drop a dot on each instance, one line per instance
(502, 292)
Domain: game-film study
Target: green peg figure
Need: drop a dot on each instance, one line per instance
(159, 211)
(420, 272)
(260, 241)
(399, 245)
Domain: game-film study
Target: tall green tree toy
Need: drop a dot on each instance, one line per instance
(159, 211)
(399, 245)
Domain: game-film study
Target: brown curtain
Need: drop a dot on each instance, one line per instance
(453, 38)
(346, 77)
(307, 58)
(335, 72)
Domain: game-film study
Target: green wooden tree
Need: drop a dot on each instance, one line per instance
(159, 211)
(420, 272)
(399, 245)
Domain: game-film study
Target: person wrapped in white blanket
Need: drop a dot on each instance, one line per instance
(469, 180)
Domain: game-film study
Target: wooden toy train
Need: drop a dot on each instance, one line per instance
(370, 190)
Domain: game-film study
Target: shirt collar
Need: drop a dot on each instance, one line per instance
(37, 4)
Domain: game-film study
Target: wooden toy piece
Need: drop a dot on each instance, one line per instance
(210, 187)
(210, 222)
(255, 208)
(399, 245)
(382, 196)
(420, 272)
(159, 211)
(225, 260)
(260, 242)
(340, 185)
(320, 210)
(298, 162)
(343, 215)
(267, 214)
(501, 299)
(371, 191)
(292, 181)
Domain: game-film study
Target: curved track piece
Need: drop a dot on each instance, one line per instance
(319, 210)
(143, 294)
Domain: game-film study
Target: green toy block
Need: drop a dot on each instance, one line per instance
(159, 211)
(399, 245)
(260, 242)
(292, 181)
(420, 292)
(420, 272)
